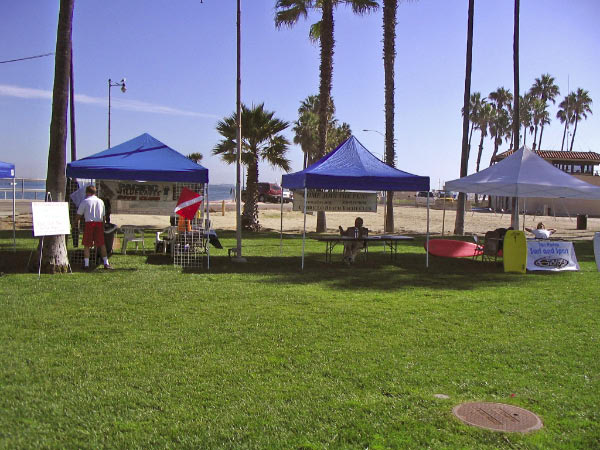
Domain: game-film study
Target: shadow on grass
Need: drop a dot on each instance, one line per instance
(378, 273)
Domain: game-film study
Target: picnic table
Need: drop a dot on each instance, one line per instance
(388, 240)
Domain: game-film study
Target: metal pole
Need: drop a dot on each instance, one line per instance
(427, 238)
(207, 225)
(14, 215)
(281, 223)
(304, 229)
(109, 86)
(238, 192)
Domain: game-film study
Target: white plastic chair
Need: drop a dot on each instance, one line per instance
(132, 234)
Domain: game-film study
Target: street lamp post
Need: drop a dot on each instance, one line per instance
(238, 192)
(384, 192)
(123, 89)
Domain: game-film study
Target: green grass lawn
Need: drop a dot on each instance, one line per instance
(262, 355)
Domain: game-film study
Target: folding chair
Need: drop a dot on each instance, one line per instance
(132, 234)
(491, 246)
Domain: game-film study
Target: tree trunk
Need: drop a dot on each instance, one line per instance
(496, 145)
(540, 139)
(326, 75)
(54, 256)
(479, 153)
(250, 212)
(574, 131)
(516, 121)
(535, 138)
(524, 135)
(562, 145)
(389, 57)
(459, 225)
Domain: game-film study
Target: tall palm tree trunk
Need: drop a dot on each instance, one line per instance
(459, 224)
(390, 8)
(250, 212)
(479, 153)
(540, 139)
(562, 145)
(55, 251)
(535, 137)
(516, 121)
(574, 131)
(326, 74)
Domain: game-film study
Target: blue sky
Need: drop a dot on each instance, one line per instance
(179, 60)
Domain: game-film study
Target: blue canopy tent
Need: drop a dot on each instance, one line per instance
(352, 166)
(7, 170)
(142, 158)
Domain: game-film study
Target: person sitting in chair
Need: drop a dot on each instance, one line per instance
(353, 248)
(541, 232)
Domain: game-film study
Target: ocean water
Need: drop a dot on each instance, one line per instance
(34, 189)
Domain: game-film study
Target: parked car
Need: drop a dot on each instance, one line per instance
(267, 192)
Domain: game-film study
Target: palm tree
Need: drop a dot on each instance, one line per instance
(55, 251)
(289, 12)
(475, 105)
(541, 117)
(306, 129)
(459, 224)
(196, 157)
(566, 116)
(500, 127)
(526, 114)
(583, 107)
(390, 8)
(484, 119)
(261, 140)
(500, 100)
(546, 90)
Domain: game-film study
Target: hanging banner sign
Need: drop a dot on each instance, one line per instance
(138, 197)
(551, 255)
(336, 201)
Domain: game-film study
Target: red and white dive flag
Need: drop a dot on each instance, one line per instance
(188, 204)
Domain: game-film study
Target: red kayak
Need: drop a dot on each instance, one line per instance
(453, 249)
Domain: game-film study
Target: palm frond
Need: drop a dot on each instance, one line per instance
(289, 12)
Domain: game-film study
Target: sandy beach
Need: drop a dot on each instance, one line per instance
(407, 220)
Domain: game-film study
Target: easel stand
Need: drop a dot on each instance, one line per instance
(48, 199)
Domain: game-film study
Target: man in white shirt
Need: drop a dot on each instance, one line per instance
(92, 209)
(541, 232)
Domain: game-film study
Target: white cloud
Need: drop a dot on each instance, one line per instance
(7, 90)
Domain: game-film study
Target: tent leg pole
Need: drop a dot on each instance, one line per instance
(427, 238)
(207, 203)
(443, 213)
(14, 216)
(304, 229)
(281, 223)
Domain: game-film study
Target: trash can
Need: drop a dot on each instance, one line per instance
(582, 221)
(109, 236)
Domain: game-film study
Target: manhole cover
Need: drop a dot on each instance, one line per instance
(498, 417)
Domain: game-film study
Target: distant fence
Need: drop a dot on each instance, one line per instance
(25, 188)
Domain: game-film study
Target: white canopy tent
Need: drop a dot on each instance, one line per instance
(524, 174)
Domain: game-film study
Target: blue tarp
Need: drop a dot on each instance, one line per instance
(7, 170)
(143, 158)
(352, 167)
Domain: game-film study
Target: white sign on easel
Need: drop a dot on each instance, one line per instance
(50, 218)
